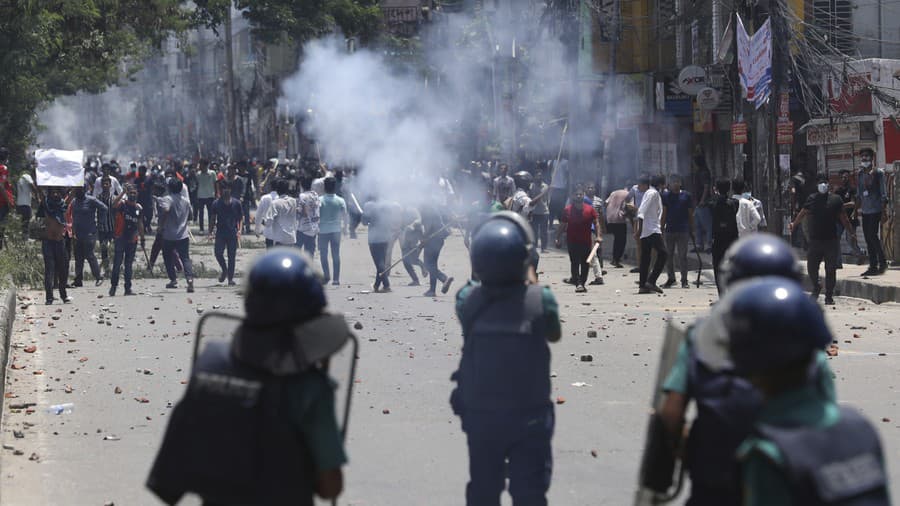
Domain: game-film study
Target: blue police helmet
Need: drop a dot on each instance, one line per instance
(502, 249)
(759, 254)
(283, 288)
(771, 323)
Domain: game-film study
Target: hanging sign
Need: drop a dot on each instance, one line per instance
(784, 132)
(739, 133)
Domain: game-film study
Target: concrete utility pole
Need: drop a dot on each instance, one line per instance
(230, 107)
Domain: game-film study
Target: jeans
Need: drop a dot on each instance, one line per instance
(379, 254)
(540, 223)
(871, 224)
(307, 243)
(223, 241)
(181, 248)
(84, 250)
(56, 267)
(201, 205)
(703, 215)
(504, 446)
(822, 250)
(330, 240)
(620, 237)
(432, 252)
(105, 238)
(578, 254)
(24, 213)
(246, 204)
(123, 251)
(677, 245)
(411, 260)
(648, 244)
(192, 196)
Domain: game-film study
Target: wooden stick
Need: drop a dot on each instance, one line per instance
(593, 252)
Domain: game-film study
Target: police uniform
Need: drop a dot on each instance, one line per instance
(804, 450)
(505, 404)
(257, 423)
(781, 468)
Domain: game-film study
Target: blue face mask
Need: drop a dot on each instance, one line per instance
(745, 195)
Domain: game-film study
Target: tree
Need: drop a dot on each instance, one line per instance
(59, 47)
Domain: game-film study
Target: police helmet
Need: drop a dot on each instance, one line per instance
(523, 179)
(759, 254)
(502, 249)
(772, 323)
(174, 185)
(283, 288)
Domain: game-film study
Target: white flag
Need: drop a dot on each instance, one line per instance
(57, 167)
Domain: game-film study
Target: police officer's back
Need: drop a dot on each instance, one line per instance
(805, 449)
(727, 403)
(503, 392)
(257, 424)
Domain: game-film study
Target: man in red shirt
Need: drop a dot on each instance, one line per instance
(576, 221)
(6, 194)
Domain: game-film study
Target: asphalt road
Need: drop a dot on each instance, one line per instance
(123, 362)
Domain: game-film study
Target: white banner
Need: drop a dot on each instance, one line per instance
(57, 167)
(755, 62)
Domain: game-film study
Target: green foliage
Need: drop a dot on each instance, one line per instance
(21, 261)
(302, 20)
(59, 47)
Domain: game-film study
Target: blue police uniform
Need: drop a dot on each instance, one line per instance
(503, 393)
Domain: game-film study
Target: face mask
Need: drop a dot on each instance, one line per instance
(823, 188)
(865, 165)
(745, 195)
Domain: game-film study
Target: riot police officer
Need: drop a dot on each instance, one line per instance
(726, 403)
(804, 449)
(257, 424)
(504, 403)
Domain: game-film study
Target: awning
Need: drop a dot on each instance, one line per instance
(838, 120)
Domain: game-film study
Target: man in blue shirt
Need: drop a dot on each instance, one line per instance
(679, 226)
(872, 198)
(332, 216)
(84, 226)
(225, 219)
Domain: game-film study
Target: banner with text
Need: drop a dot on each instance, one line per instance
(755, 62)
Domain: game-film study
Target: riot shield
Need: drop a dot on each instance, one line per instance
(219, 326)
(657, 474)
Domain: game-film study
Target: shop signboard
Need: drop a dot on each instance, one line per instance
(823, 135)
(739, 133)
(785, 132)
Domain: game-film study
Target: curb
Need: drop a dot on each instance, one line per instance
(7, 317)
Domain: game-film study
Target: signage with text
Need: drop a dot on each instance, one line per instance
(739, 133)
(832, 134)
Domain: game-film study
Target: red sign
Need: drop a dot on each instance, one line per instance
(785, 132)
(850, 95)
(784, 105)
(739, 133)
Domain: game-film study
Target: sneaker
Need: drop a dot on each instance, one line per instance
(617, 265)
(669, 283)
(128, 292)
(829, 301)
(870, 272)
(685, 284)
(335, 283)
(77, 284)
(596, 281)
(190, 287)
(430, 293)
(446, 286)
(67, 299)
(414, 282)
(653, 287)
(636, 270)
(386, 289)
(645, 289)
(231, 282)
(580, 289)
(112, 290)
(222, 277)
(882, 269)
(325, 280)
(99, 281)
(172, 284)
(49, 301)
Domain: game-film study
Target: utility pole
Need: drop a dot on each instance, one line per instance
(615, 29)
(230, 106)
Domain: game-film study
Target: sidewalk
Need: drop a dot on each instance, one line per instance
(850, 282)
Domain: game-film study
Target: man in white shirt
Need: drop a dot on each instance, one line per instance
(115, 188)
(24, 189)
(263, 215)
(748, 218)
(650, 229)
(633, 202)
(308, 217)
(283, 216)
